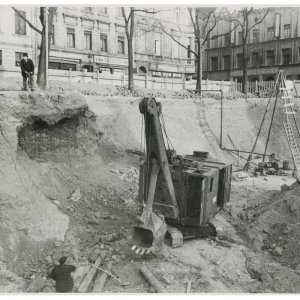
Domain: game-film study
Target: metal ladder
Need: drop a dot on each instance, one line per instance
(289, 111)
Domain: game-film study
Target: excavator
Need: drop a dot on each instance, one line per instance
(178, 194)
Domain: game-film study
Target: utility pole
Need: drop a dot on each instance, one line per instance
(47, 47)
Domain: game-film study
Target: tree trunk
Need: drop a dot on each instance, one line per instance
(245, 70)
(130, 65)
(199, 69)
(41, 76)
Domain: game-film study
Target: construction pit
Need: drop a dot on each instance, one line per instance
(69, 183)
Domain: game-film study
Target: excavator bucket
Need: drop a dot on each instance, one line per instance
(148, 232)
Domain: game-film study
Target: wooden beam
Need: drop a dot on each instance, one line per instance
(188, 286)
(100, 280)
(159, 288)
(91, 274)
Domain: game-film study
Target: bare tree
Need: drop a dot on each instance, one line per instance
(129, 29)
(243, 20)
(41, 76)
(204, 20)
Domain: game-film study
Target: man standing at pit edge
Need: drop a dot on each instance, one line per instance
(27, 68)
(62, 276)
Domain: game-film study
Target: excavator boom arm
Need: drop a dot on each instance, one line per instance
(156, 147)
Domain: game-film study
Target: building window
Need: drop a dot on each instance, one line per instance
(271, 33)
(270, 58)
(103, 42)
(240, 38)
(255, 35)
(88, 68)
(189, 51)
(156, 74)
(71, 37)
(19, 56)
(226, 59)
(211, 184)
(227, 39)
(54, 65)
(157, 47)
(189, 48)
(61, 66)
(196, 46)
(68, 66)
(214, 42)
(287, 31)
(286, 56)
(0, 57)
(20, 24)
(254, 59)
(121, 45)
(239, 61)
(88, 40)
(103, 10)
(214, 63)
(52, 40)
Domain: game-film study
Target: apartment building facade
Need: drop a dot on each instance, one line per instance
(272, 45)
(93, 39)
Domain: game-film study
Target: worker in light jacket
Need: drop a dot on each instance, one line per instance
(27, 69)
(62, 276)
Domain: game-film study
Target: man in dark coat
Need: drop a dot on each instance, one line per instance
(27, 68)
(62, 275)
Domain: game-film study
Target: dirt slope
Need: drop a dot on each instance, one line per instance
(241, 121)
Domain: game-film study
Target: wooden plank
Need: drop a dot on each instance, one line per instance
(100, 281)
(188, 286)
(91, 274)
(159, 288)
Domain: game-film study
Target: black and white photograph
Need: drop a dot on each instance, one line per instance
(149, 148)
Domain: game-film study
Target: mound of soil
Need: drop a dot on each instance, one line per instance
(281, 225)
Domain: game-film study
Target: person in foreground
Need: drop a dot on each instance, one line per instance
(62, 276)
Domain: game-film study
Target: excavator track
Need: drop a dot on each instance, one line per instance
(175, 237)
(179, 233)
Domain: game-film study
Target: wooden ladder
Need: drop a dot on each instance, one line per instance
(290, 112)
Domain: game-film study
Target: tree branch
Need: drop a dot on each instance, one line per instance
(193, 22)
(146, 11)
(232, 19)
(27, 21)
(176, 41)
(124, 15)
(131, 16)
(209, 31)
(249, 11)
(222, 34)
(257, 23)
(207, 21)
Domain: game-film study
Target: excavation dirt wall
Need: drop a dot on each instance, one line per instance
(62, 158)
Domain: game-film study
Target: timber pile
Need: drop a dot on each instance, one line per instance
(100, 280)
(159, 288)
(91, 274)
